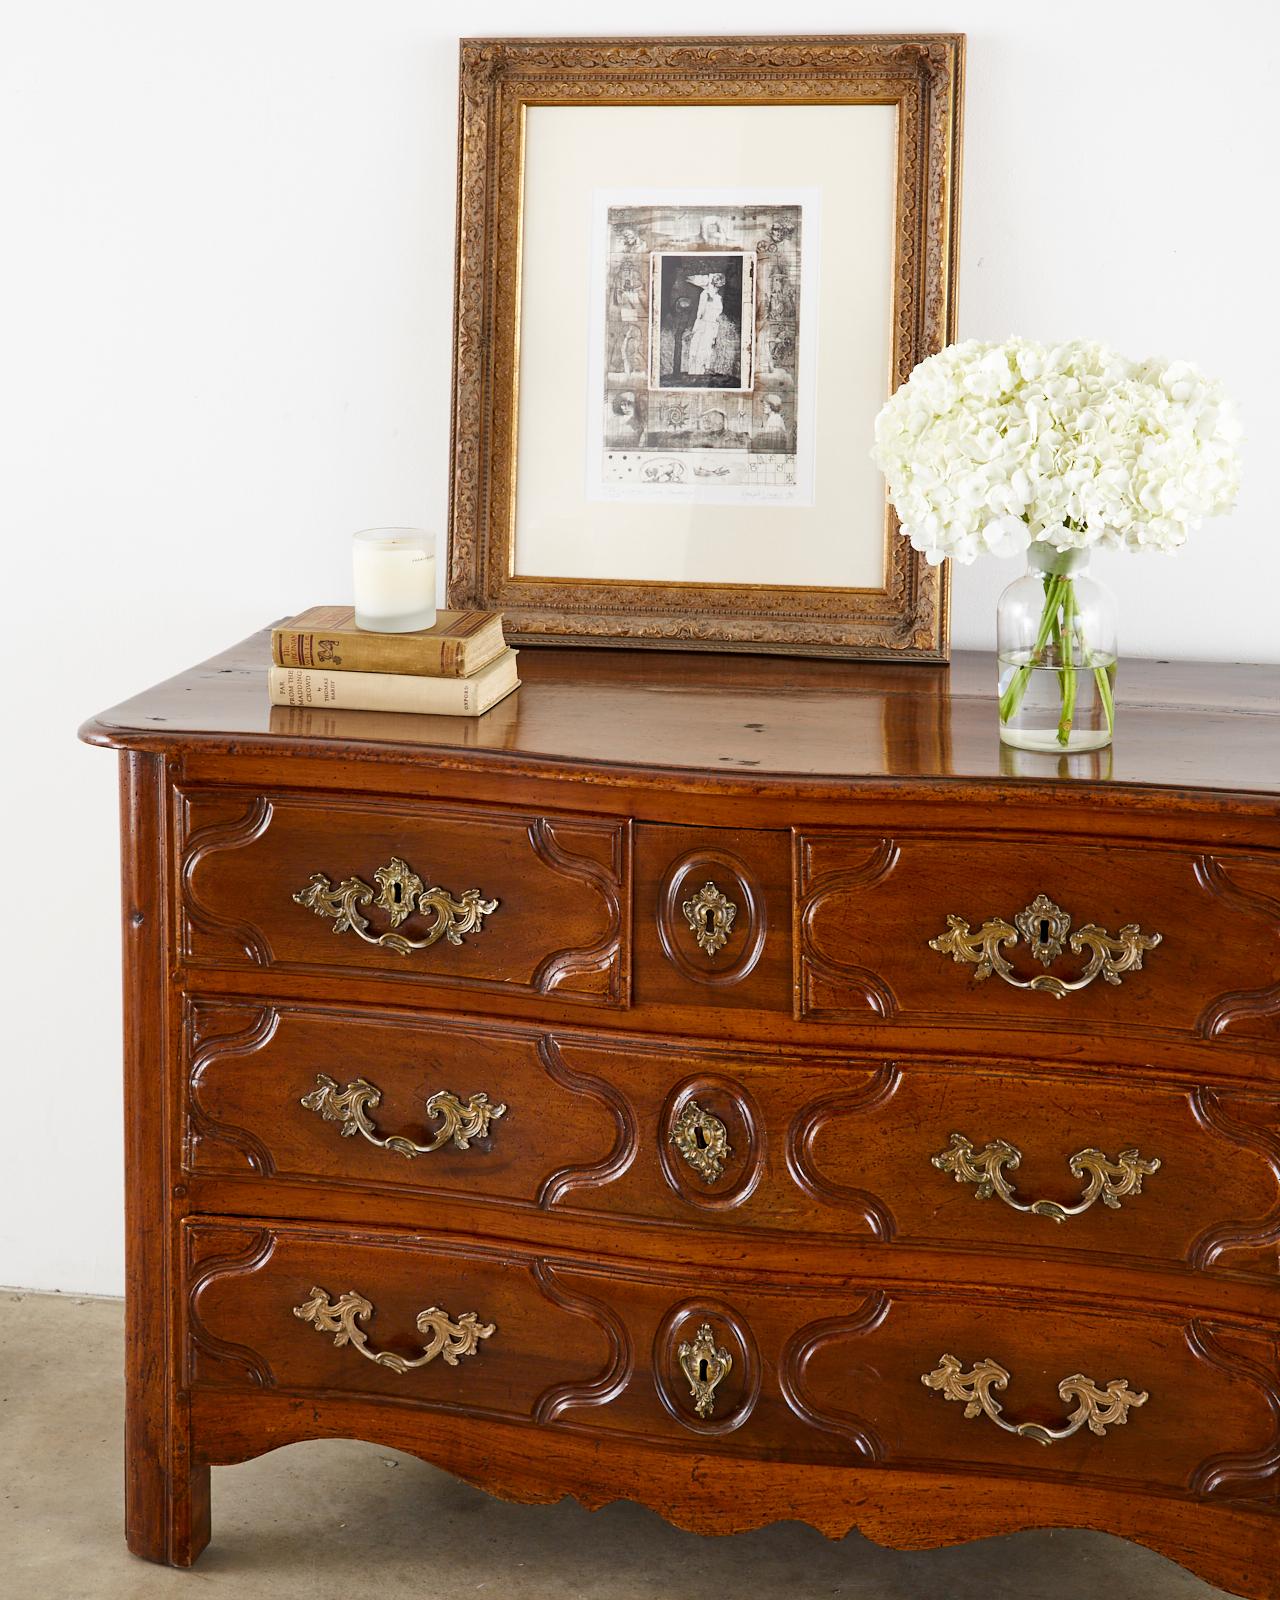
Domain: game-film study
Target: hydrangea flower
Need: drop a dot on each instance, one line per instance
(987, 447)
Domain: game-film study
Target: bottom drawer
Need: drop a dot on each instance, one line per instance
(930, 1375)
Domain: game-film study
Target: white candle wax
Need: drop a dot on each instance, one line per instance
(394, 575)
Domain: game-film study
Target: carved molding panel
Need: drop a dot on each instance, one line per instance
(806, 1132)
(243, 1255)
(1251, 1359)
(831, 986)
(213, 1036)
(598, 856)
(626, 1137)
(249, 819)
(1221, 879)
(800, 1354)
(1252, 1124)
(560, 1398)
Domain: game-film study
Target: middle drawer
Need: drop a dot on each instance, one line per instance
(987, 1156)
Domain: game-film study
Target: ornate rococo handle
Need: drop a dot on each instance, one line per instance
(1097, 1409)
(400, 893)
(1108, 1181)
(447, 1339)
(1045, 927)
(460, 1121)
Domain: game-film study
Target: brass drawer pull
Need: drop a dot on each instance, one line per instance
(400, 893)
(460, 1121)
(341, 1317)
(1097, 1409)
(1045, 927)
(1108, 1181)
(705, 1364)
(710, 917)
(703, 1141)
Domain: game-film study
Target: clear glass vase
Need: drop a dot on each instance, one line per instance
(1056, 649)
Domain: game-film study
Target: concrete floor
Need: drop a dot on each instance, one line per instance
(331, 1519)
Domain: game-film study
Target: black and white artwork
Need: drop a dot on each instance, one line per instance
(701, 320)
(700, 341)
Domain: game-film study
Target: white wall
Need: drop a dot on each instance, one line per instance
(225, 276)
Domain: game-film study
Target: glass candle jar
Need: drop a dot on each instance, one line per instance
(394, 575)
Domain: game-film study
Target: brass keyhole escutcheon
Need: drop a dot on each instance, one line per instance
(710, 915)
(703, 1141)
(705, 1365)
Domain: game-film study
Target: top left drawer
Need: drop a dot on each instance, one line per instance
(446, 895)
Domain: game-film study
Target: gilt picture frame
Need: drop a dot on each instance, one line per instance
(689, 273)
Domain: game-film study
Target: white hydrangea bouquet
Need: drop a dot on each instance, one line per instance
(1055, 450)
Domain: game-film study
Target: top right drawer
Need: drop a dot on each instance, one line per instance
(965, 931)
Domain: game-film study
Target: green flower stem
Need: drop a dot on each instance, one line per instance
(1066, 655)
(1107, 698)
(1011, 699)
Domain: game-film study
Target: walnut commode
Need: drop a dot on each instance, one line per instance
(706, 1061)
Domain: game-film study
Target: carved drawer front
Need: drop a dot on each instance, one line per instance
(713, 917)
(368, 1315)
(1010, 1161)
(1056, 935)
(356, 1101)
(938, 1375)
(454, 897)
(1079, 1393)
(984, 1158)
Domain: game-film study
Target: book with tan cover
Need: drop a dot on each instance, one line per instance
(395, 691)
(326, 638)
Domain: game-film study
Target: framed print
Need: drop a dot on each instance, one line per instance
(689, 274)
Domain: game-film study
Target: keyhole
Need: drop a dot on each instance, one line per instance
(709, 920)
(1044, 930)
(395, 893)
(702, 1369)
(700, 1138)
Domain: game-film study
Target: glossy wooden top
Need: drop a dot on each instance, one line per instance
(745, 719)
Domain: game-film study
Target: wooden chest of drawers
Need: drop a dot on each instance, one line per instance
(732, 1085)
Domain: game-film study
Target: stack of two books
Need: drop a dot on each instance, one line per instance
(459, 668)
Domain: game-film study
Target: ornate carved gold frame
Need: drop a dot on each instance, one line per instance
(922, 77)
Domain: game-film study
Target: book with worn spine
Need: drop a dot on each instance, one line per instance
(326, 638)
(396, 691)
